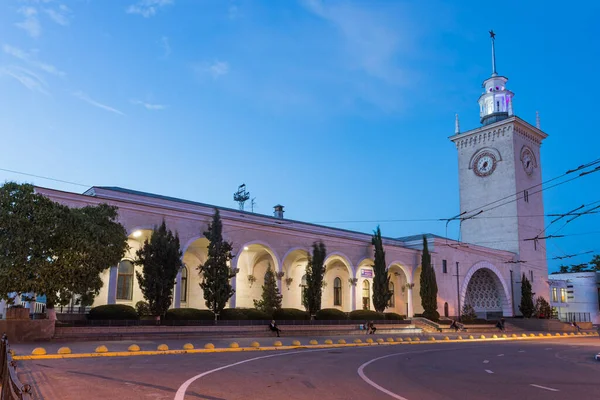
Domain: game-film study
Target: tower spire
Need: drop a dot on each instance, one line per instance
(456, 126)
(537, 120)
(493, 37)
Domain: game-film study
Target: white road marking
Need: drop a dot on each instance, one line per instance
(485, 361)
(544, 387)
(364, 377)
(489, 372)
(548, 348)
(500, 355)
(521, 351)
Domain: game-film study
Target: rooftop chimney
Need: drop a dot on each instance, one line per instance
(278, 213)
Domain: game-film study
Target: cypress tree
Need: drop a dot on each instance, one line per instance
(315, 270)
(215, 271)
(160, 258)
(527, 308)
(381, 280)
(271, 298)
(429, 287)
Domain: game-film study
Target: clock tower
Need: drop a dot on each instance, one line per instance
(500, 176)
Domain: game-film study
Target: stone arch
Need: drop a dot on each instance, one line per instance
(337, 265)
(416, 290)
(294, 266)
(194, 254)
(252, 260)
(502, 288)
(400, 277)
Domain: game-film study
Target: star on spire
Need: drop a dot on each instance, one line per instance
(492, 34)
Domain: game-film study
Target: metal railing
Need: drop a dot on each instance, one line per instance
(12, 388)
(577, 317)
(142, 322)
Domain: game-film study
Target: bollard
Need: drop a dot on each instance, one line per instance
(313, 342)
(446, 338)
(482, 337)
(209, 346)
(328, 341)
(133, 348)
(64, 350)
(277, 343)
(341, 341)
(234, 345)
(188, 346)
(296, 343)
(390, 340)
(101, 349)
(162, 347)
(369, 340)
(399, 339)
(255, 344)
(38, 351)
(380, 340)
(357, 341)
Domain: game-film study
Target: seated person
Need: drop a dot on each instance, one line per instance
(273, 327)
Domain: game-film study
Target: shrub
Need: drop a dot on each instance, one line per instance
(243, 314)
(331, 314)
(189, 314)
(366, 315)
(392, 316)
(114, 312)
(142, 308)
(432, 315)
(290, 314)
(468, 313)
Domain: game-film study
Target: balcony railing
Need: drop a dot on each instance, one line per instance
(12, 388)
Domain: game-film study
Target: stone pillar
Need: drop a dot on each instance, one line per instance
(410, 302)
(112, 285)
(353, 292)
(177, 297)
(233, 285)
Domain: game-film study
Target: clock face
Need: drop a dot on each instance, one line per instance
(484, 164)
(528, 160)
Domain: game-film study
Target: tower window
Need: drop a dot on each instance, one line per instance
(526, 196)
(444, 267)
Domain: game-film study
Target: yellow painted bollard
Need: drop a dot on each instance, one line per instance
(162, 347)
(133, 348)
(328, 341)
(277, 343)
(565, 334)
(188, 346)
(313, 342)
(234, 345)
(471, 337)
(64, 350)
(357, 341)
(524, 335)
(571, 334)
(431, 339)
(513, 335)
(380, 340)
(101, 349)
(341, 341)
(390, 340)
(209, 346)
(532, 334)
(557, 333)
(296, 343)
(417, 339)
(459, 337)
(504, 335)
(408, 339)
(494, 336)
(446, 338)
(255, 345)
(399, 339)
(369, 340)
(548, 334)
(482, 337)
(38, 351)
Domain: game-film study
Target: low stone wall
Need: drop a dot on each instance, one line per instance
(550, 325)
(27, 330)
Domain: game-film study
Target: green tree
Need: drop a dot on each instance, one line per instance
(579, 268)
(216, 273)
(429, 287)
(381, 281)
(271, 298)
(563, 269)
(315, 270)
(595, 263)
(542, 308)
(527, 308)
(160, 258)
(49, 249)
(468, 313)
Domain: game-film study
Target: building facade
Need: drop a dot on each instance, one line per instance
(575, 296)
(501, 219)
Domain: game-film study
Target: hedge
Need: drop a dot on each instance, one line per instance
(290, 314)
(366, 315)
(244, 314)
(113, 312)
(189, 314)
(392, 316)
(331, 314)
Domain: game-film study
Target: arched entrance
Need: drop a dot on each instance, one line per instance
(399, 286)
(195, 254)
(485, 290)
(253, 261)
(294, 281)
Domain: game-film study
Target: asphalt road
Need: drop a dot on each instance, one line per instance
(545, 369)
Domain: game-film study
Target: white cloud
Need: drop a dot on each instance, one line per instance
(59, 15)
(31, 23)
(164, 43)
(149, 106)
(82, 96)
(216, 68)
(26, 77)
(147, 8)
(373, 42)
(31, 60)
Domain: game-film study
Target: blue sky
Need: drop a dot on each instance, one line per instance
(341, 111)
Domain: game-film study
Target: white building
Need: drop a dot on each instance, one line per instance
(576, 296)
(499, 162)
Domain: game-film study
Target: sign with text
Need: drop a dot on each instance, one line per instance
(366, 273)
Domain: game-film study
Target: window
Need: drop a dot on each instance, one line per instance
(526, 196)
(391, 302)
(184, 284)
(303, 291)
(337, 292)
(125, 280)
(366, 295)
(555, 294)
(531, 274)
(563, 295)
(444, 267)
(446, 309)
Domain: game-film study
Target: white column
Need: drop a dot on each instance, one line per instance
(410, 303)
(353, 291)
(112, 285)
(177, 297)
(233, 285)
